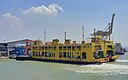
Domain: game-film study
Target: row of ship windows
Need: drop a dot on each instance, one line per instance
(72, 55)
(46, 54)
(62, 47)
(61, 55)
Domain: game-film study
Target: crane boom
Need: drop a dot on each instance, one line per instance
(112, 23)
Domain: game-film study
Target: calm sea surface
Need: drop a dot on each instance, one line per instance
(32, 70)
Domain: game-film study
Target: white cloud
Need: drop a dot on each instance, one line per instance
(8, 20)
(51, 10)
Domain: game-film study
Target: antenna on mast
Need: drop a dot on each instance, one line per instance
(83, 32)
(44, 36)
(65, 36)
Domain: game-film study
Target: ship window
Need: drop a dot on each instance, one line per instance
(36, 54)
(69, 47)
(33, 53)
(54, 48)
(39, 53)
(109, 46)
(73, 47)
(49, 54)
(83, 55)
(95, 55)
(60, 54)
(100, 54)
(60, 48)
(53, 54)
(64, 54)
(78, 55)
(69, 54)
(79, 47)
(33, 47)
(39, 48)
(46, 48)
(46, 55)
(64, 47)
(42, 53)
(42, 48)
(110, 53)
(73, 55)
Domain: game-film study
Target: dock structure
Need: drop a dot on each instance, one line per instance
(11, 49)
(3, 50)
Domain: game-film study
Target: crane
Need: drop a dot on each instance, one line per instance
(107, 31)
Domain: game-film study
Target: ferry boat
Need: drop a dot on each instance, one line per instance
(99, 50)
(67, 52)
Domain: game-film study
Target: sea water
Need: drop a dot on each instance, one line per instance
(34, 70)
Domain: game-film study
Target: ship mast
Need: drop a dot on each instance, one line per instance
(44, 36)
(83, 32)
(65, 36)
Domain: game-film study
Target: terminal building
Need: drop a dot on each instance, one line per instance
(13, 48)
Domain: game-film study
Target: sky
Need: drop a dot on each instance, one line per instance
(27, 19)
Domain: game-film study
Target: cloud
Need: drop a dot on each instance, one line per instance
(8, 20)
(51, 10)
